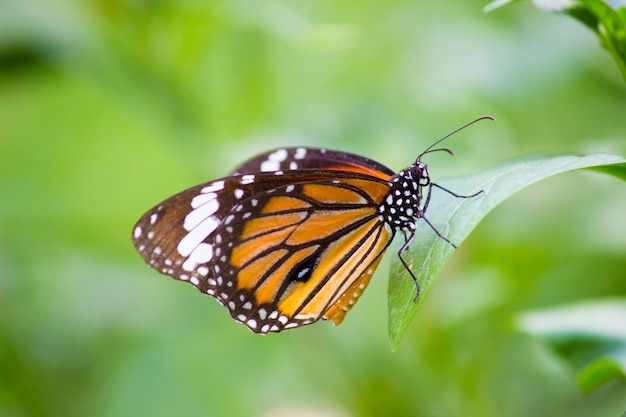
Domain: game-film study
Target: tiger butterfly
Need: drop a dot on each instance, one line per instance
(292, 236)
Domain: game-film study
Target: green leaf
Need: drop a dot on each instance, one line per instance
(611, 29)
(589, 336)
(455, 218)
(606, 19)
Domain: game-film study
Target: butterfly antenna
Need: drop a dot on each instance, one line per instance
(430, 148)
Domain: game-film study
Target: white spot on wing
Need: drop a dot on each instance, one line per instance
(300, 153)
(189, 265)
(203, 253)
(273, 160)
(247, 179)
(197, 216)
(268, 166)
(196, 236)
(137, 232)
(280, 155)
(200, 199)
(216, 186)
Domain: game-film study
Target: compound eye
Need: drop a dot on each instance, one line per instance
(422, 174)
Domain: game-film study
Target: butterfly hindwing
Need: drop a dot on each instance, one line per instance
(348, 299)
(284, 257)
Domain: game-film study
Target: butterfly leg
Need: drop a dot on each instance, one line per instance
(408, 239)
(405, 246)
(452, 193)
(422, 211)
(407, 242)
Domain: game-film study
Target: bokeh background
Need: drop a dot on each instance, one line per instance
(109, 106)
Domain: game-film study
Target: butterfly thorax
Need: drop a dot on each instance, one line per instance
(401, 207)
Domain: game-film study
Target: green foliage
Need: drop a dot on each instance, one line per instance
(590, 336)
(606, 19)
(456, 218)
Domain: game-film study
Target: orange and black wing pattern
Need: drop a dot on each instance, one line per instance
(292, 253)
(292, 236)
(278, 249)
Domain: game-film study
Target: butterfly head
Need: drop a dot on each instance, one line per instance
(419, 172)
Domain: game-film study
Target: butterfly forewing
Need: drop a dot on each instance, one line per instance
(175, 236)
(278, 249)
(312, 158)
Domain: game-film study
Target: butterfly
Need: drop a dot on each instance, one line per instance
(292, 236)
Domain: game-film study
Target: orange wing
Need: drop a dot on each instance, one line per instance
(298, 253)
(177, 236)
(348, 299)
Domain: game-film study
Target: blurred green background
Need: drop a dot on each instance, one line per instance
(109, 106)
